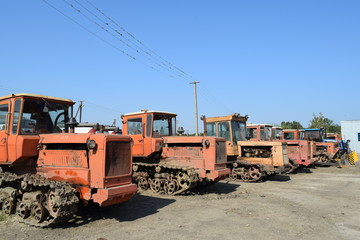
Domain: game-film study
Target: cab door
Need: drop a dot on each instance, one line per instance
(148, 133)
(4, 129)
(135, 130)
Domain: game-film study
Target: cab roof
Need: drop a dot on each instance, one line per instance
(149, 111)
(258, 124)
(235, 117)
(36, 96)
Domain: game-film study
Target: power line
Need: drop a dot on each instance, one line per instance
(137, 49)
(154, 58)
(104, 28)
(132, 36)
(108, 43)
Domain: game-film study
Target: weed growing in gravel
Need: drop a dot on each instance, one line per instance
(2, 216)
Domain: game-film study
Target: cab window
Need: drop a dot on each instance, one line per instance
(211, 129)
(148, 125)
(224, 130)
(135, 126)
(16, 116)
(4, 108)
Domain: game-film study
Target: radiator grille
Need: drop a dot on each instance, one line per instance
(220, 152)
(118, 159)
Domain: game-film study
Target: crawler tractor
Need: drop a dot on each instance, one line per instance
(248, 160)
(328, 151)
(168, 163)
(47, 171)
(300, 152)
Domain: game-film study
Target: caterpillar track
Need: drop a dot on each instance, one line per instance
(247, 173)
(164, 178)
(37, 201)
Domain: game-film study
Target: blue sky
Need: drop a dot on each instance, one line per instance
(273, 60)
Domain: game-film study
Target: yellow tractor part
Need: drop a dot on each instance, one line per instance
(353, 158)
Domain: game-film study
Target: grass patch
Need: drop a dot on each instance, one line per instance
(2, 216)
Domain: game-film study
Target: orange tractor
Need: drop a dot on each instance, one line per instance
(47, 171)
(300, 152)
(248, 160)
(328, 151)
(168, 163)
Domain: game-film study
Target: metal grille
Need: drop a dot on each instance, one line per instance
(220, 152)
(118, 159)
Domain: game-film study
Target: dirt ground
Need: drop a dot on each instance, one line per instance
(321, 203)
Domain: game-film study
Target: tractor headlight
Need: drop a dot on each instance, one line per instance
(91, 144)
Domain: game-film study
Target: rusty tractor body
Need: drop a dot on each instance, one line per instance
(47, 171)
(248, 160)
(328, 151)
(302, 151)
(172, 164)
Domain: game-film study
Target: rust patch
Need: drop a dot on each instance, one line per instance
(71, 173)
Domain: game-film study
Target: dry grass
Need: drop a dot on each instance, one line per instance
(2, 216)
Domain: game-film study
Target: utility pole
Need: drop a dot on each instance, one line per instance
(81, 105)
(196, 108)
(81, 108)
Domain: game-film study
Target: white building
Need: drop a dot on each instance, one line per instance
(351, 130)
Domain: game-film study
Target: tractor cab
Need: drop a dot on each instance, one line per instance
(291, 134)
(313, 134)
(147, 129)
(231, 127)
(259, 132)
(23, 117)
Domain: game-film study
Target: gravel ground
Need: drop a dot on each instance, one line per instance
(320, 203)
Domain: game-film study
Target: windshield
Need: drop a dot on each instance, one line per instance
(211, 129)
(289, 136)
(252, 132)
(224, 130)
(313, 135)
(277, 133)
(164, 126)
(265, 133)
(135, 126)
(239, 131)
(40, 116)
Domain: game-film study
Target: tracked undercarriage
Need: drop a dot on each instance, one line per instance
(164, 178)
(248, 172)
(37, 201)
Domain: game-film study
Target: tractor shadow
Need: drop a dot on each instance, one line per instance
(223, 187)
(277, 178)
(305, 170)
(139, 206)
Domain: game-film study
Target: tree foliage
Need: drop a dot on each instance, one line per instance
(320, 121)
(291, 125)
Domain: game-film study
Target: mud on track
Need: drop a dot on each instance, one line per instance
(320, 203)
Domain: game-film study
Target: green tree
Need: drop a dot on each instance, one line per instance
(320, 121)
(291, 125)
